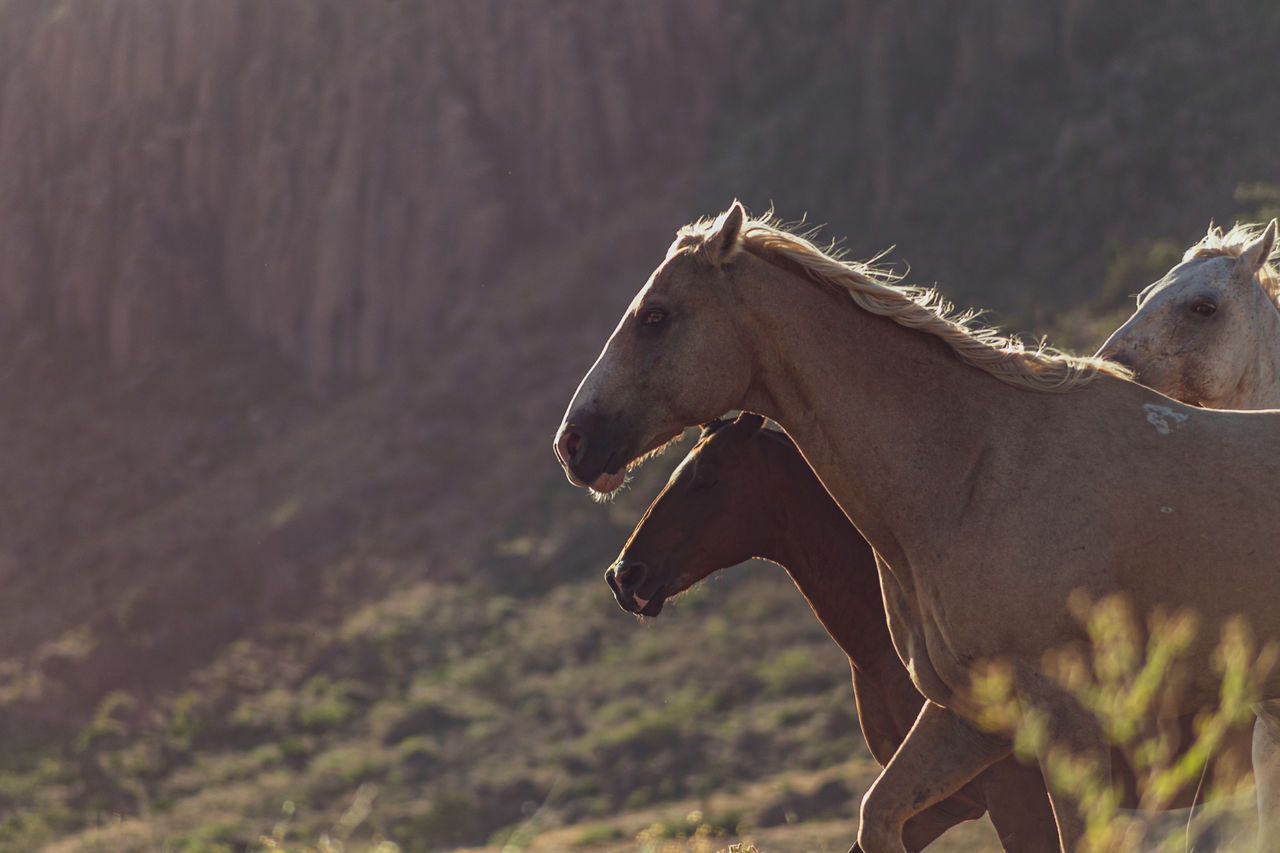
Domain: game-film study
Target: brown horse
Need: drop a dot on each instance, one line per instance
(747, 492)
(993, 482)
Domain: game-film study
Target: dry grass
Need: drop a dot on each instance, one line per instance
(632, 832)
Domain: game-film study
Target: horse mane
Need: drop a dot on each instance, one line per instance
(711, 427)
(878, 291)
(1217, 243)
(767, 428)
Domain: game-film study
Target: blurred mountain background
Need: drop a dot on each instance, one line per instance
(293, 294)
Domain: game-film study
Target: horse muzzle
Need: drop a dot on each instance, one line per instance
(589, 458)
(626, 579)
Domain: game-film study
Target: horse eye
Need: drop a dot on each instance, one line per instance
(654, 316)
(1204, 308)
(705, 476)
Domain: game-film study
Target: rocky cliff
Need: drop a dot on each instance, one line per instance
(334, 177)
(344, 180)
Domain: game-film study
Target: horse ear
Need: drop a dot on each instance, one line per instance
(724, 241)
(750, 421)
(1258, 252)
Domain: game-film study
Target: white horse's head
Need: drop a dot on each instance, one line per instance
(1200, 332)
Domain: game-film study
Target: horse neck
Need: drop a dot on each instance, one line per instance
(832, 566)
(881, 413)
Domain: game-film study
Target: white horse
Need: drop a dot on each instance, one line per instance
(1208, 332)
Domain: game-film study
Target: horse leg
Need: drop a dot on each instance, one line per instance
(1266, 772)
(1019, 807)
(922, 829)
(1078, 733)
(939, 755)
(1011, 793)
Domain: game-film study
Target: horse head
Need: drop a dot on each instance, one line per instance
(710, 515)
(1198, 331)
(672, 361)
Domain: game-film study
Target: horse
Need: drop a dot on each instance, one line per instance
(995, 482)
(745, 491)
(1208, 333)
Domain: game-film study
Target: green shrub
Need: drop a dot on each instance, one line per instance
(218, 837)
(1132, 266)
(339, 770)
(25, 831)
(108, 724)
(452, 818)
(791, 671)
(595, 835)
(185, 719)
(1261, 201)
(1129, 672)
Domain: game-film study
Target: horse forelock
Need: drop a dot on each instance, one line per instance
(1217, 243)
(880, 292)
(686, 238)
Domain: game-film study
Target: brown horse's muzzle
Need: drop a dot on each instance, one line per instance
(627, 579)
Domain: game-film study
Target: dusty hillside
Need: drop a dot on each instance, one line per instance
(292, 295)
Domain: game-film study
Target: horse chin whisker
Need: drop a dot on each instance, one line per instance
(608, 497)
(674, 598)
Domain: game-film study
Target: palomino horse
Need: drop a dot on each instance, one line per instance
(747, 492)
(993, 482)
(1208, 333)
(744, 492)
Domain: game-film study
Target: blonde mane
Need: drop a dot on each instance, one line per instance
(1217, 243)
(877, 291)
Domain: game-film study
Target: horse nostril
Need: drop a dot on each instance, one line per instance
(570, 445)
(631, 575)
